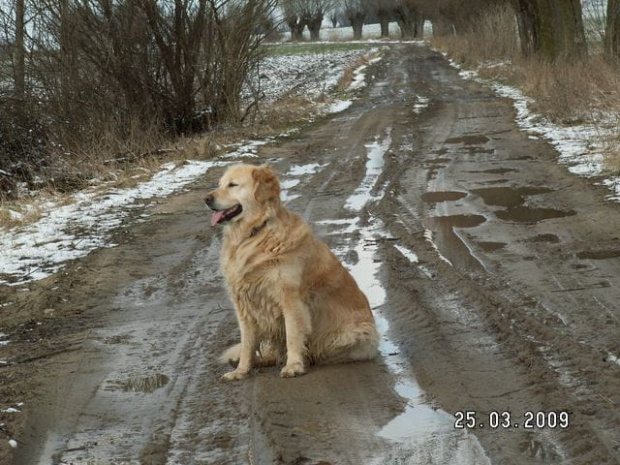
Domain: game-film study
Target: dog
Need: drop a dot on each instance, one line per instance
(295, 302)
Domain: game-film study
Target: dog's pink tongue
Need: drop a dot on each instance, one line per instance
(216, 217)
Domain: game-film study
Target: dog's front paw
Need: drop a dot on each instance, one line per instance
(293, 369)
(234, 375)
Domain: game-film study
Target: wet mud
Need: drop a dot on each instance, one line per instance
(493, 301)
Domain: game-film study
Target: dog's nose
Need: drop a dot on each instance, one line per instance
(209, 200)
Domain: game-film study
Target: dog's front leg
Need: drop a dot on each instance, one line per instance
(246, 354)
(298, 326)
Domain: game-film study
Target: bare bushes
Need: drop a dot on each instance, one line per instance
(491, 37)
(568, 92)
(111, 79)
(573, 92)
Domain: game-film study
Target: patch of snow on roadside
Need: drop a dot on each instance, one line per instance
(421, 104)
(296, 171)
(68, 232)
(612, 358)
(374, 167)
(408, 254)
(577, 145)
(428, 235)
(338, 106)
(72, 231)
(299, 170)
(309, 75)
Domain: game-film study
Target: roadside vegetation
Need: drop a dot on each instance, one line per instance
(577, 84)
(105, 91)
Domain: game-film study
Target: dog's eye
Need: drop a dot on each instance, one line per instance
(232, 184)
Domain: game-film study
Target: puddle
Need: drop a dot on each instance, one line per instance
(598, 254)
(474, 139)
(374, 167)
(438, 161)
(493, 181)
(445, 237)
(513, 200)
(494, 171)
(421, 430)
(147, 384)
(447, 196)
(508, 197)
(532, 215)
(552, 238)
(491, 246)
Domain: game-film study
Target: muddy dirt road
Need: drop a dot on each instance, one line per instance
(493, 274)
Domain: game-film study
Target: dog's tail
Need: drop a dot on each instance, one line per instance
(231, 355)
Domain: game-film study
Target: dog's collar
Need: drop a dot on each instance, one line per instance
(256, 229)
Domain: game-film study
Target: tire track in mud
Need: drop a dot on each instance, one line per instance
(459, 337)
(562, 364)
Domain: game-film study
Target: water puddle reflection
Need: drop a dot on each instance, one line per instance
(598, 254)
(445, 196)
(448, 241)
(474, 139)
(424, 433)
(513, 200)
(146, 384)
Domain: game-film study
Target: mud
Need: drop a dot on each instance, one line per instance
(113, 359)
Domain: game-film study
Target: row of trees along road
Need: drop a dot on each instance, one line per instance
(548, 29)
(75, 71)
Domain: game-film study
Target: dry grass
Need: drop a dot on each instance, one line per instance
(567, 93)
(494, 39)
(349, 72)
(111, 163)
(115, 161)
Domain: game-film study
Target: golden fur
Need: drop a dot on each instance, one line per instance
(294, 300)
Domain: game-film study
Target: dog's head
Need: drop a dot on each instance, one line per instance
(244, 192)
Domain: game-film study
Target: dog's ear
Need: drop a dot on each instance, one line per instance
(267, 185)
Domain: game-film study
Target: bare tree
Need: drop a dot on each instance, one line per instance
(20, 50)
(409, 17)
(612, 31)
(384, 11)
(90, 71)
(315, 11)
(551, 29)
(295, 18)
(301, 13)
(356, 12)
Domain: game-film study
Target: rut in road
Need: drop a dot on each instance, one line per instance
(489, 269)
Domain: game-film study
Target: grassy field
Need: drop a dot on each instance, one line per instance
(309, 48)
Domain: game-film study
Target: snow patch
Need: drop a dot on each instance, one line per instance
(374, 167)
(579, 146)
(428, 235)
(408, 254)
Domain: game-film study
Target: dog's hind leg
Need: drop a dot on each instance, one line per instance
(359, 344)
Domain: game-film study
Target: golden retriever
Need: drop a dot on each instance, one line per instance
(294, 300)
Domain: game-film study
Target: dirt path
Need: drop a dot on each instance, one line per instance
(493, 274)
